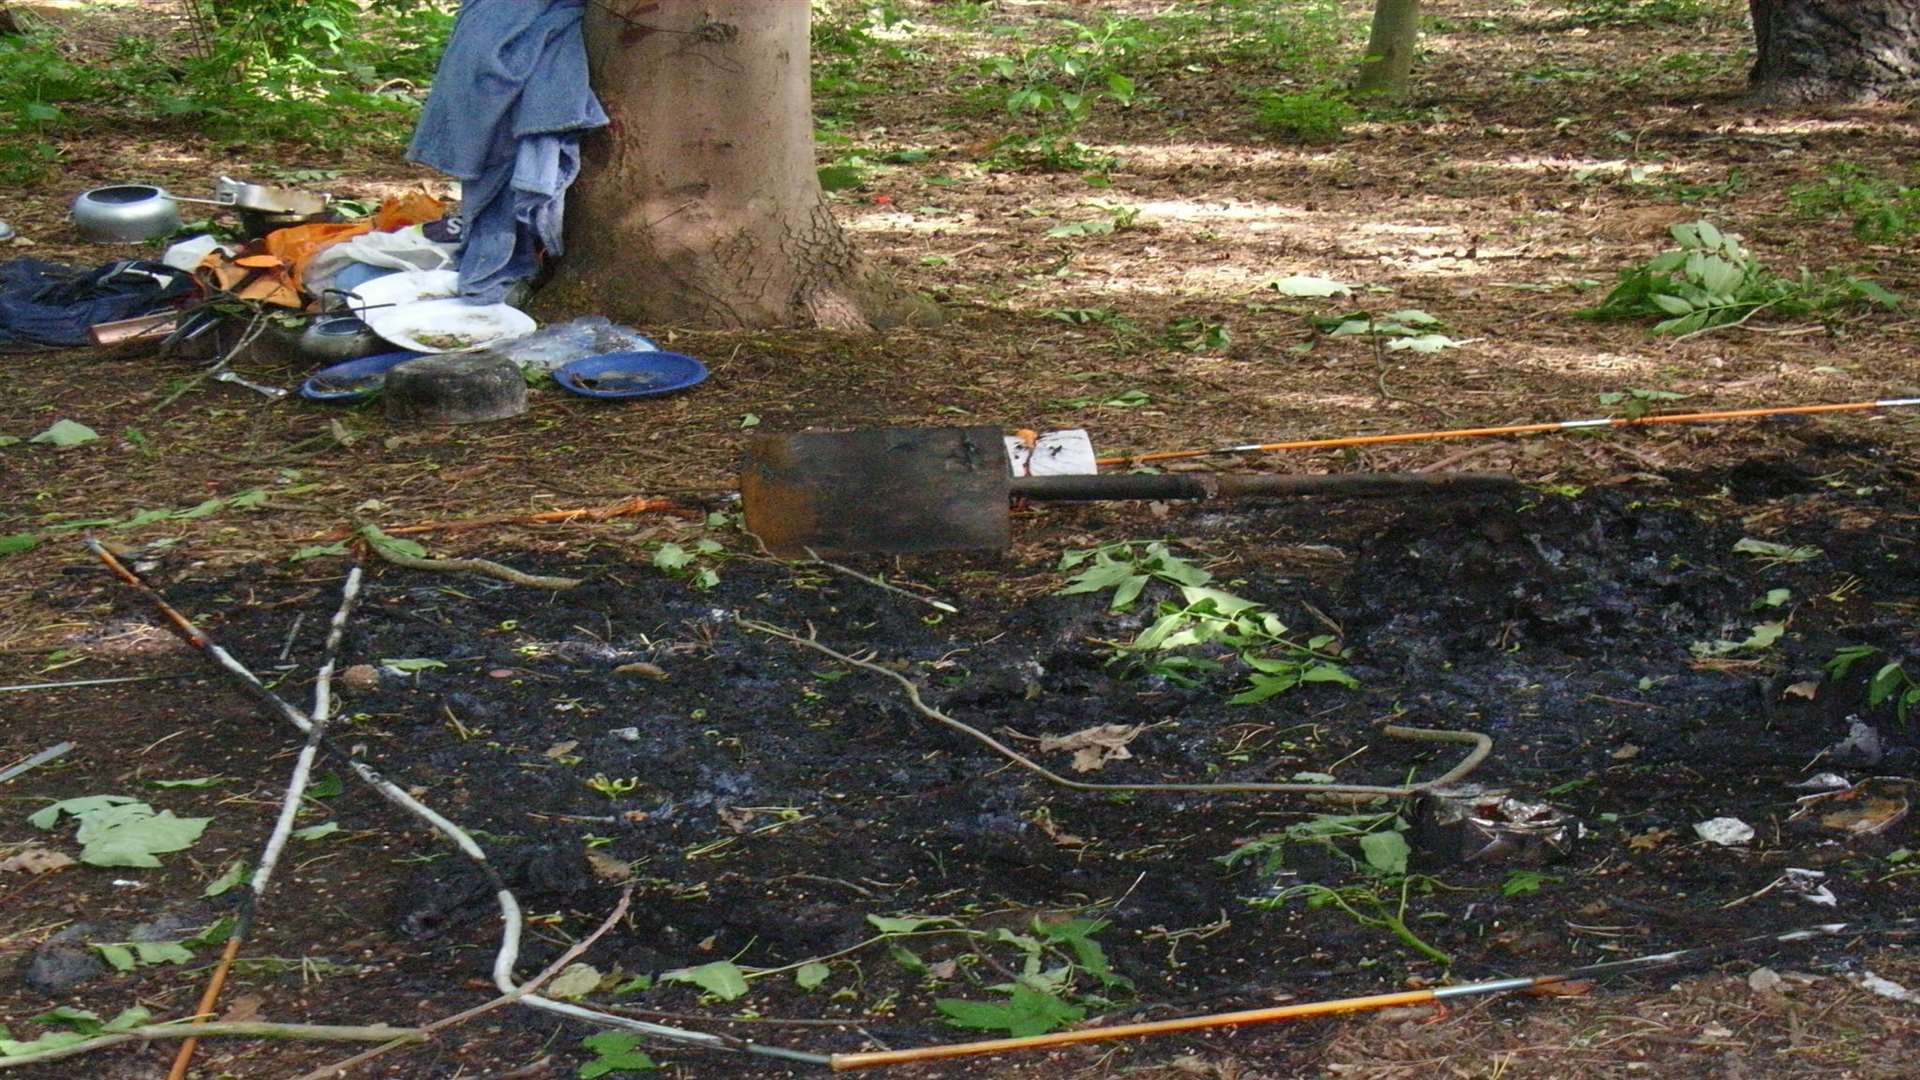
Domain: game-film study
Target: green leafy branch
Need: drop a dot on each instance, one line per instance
(1710, 280)
(1204, 616)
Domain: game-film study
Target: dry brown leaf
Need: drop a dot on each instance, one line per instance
(562, 749)
(608, 868)
(1649, 840)
(1095, 746)
(1045, 823)
(1802, 689)
(244, 1007)
(36, 860)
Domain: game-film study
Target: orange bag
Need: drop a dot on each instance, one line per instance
(407, 208)
(294, 246)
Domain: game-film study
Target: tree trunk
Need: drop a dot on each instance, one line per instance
(699, 205)
(1833, 50)
(1390, 47)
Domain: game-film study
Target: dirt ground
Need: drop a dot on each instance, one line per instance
(766, 801)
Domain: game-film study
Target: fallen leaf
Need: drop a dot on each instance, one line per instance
(1094, 747)
(244, 1007)
(1802, 689)
(1650, 839)
(608, 868)
(577, 981)
(1571, 988)
(561, 749)
(1716, 1031)
(36, 860)
(65, 433)
(1626, 753)
(737, 820)
(1058, 835)
(1308, 285)
(1765, 980)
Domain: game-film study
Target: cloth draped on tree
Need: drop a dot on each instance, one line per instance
(508, 107)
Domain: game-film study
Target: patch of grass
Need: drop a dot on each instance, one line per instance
(1640, 12)
(1882, 210)
(1315, 117)
(35, 82)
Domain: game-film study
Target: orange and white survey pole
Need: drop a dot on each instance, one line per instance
(1511, 429)
(1340, 1006)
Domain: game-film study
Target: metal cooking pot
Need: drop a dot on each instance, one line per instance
(125, 214)
(339, 337)
(273, 200)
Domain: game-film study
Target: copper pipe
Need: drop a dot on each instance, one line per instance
(138, 328)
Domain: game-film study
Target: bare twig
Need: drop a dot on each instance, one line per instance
(476, 566)
(24, 687)
(580, 947)
(255, 327)
(250, 1029)
(938, 605)
(1482, 745)
(283, 827)
(512, 917)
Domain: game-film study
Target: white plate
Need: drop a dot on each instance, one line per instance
(449, 326)
(405, 288)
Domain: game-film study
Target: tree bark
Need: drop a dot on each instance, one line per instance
(1388, 65)
(699, 205)
(1833, 50)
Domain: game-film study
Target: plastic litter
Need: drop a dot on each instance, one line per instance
(1472, 824)
(366, 256)
(1055, 453)
(557, 344)
(190, 253)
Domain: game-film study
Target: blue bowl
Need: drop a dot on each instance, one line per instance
(355, 379)
(629, 374)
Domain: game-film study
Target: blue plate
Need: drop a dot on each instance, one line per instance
(629, 374)
(354, 379)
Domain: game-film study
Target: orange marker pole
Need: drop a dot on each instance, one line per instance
(1338, 1007)
(1511, 429)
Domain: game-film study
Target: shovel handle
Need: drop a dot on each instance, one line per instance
(1239, 486)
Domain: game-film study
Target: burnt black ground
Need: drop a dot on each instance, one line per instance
(1559, 623)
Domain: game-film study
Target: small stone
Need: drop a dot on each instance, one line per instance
(360, 679)
(1724, 831)
(65, 961)
(1765, 980)
(626, 734)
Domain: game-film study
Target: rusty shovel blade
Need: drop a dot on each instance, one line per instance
(889, 490)
(904, 490)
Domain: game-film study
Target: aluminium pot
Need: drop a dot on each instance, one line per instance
(125, 214)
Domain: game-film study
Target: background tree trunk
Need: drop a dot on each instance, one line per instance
(1390, 47)
(1833, 50)
(699, 205)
